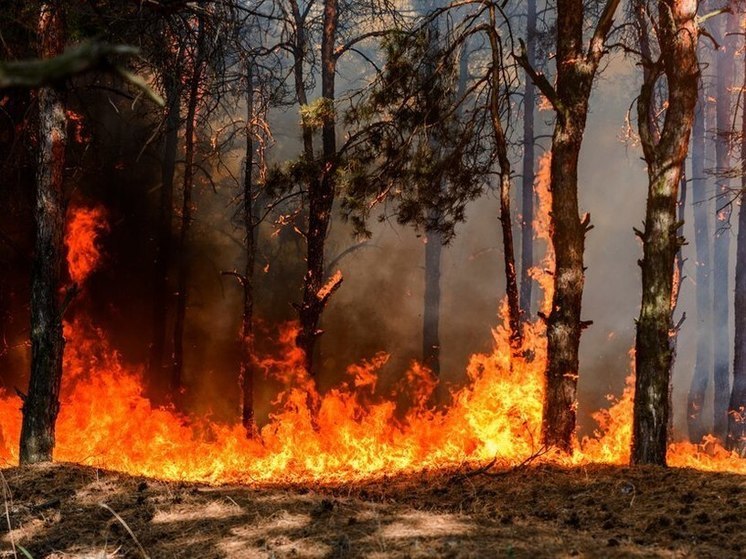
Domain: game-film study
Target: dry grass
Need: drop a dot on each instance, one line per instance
(65, 511)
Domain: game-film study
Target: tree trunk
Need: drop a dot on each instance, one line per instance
(564, 323)
(664, 156)
(431, 314)
(41, 405)
(321, 198)
(506, 218)
(737, 408)
(161, 292)
(576, 70)
(702, 240)
(567, 235)
(250, 226)
(721, 268)
(529, 158)
(177, 365)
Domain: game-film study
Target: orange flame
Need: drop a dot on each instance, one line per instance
(346, 434)
(83, 253)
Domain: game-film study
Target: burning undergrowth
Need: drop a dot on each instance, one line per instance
(350, 432)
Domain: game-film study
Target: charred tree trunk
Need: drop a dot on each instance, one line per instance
(41, 405)
(702, 241)
(677, 36)
(250, 226)
(736, 440)
(721, 268)
(177, 365)
(321, 199)
(165, 229)
(529, 159)
(576, 70)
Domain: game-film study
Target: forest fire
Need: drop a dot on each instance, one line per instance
(106, 421)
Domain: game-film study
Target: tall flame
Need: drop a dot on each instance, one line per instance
(81, 240)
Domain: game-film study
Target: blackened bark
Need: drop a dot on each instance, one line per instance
(677, 36)
(702, 242)
(736, 439)
(161, 290)
(250, 226)
(529, 161)
(41, 405)
(721, 268)
(177, 365)
(320, 197)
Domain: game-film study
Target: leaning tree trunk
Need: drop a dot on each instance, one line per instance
(506, 217)
(702, 241)
(177, 365)
(529, 158)
(664, 155)
(41, 405)
(165, 231)
(737, 408)
(576, 71)
(316, 292)
(721, 269)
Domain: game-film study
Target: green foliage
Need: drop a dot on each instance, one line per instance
(417, 151)
(317, 113)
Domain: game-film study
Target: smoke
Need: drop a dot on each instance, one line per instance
(379, 306)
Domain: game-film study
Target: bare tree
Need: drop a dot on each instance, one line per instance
(194, 95)
(703, 276)
(725, 29)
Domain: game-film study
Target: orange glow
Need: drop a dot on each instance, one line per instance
(346, 434)
(83, 254)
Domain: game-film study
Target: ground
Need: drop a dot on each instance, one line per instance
(541, 511)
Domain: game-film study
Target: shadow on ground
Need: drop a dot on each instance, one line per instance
(70, 511)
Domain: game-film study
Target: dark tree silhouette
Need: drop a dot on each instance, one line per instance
(41, 405)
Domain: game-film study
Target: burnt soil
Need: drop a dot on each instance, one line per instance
(64, 510)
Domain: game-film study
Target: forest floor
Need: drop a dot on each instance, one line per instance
(64, 510)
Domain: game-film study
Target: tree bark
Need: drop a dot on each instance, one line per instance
(320, 197)
(704, 293)
(161, 292)
(576, 70)
(250, 226)
(529, 159)
(677, 36)
(736, 439)
(177, 365)
(721, 268)
(41, 405)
